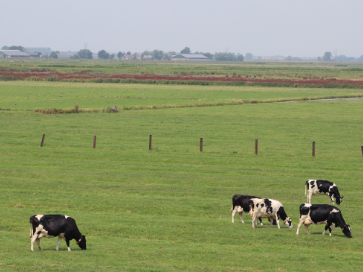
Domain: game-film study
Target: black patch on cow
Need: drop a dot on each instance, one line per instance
(281, 213)
(304, 210)
(312, 183)
(268, 205)
(324, 186)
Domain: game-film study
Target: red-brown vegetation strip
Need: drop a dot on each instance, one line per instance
(89, 75)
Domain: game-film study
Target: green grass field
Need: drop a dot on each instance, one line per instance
(169, 209)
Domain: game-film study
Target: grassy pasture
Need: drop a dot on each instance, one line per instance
(22, 95)
(168, 209)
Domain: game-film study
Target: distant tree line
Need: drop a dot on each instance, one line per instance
(161, 55)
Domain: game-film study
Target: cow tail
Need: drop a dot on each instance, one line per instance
(31, 230)
(306, 185)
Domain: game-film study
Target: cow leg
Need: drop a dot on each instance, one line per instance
(271, 221)
(299, 225)
(33, 239)
(307, 229)
(254, 221)
(327, 227)
(67, 241)
(260, 221)
(233, 214)
(38, 243)
(58, 243)
(240, 215)
(277, 221)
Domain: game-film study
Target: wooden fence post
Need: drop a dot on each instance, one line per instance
(313, 149)
(41, 144)
(256, 146)
(201, 145)
(94, 142)
(150, 142)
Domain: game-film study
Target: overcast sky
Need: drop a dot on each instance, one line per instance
(298, 28)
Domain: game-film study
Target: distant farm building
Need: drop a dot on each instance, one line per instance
(127, 57)
(13, 54)
(189, 57)
(147, 57)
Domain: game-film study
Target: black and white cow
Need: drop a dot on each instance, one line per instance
(322, 214)
(50, 226)
(240, 204)
(269, 208)
(322, 187)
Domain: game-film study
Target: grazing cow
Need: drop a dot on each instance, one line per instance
(322, 214)
(322, 187)
(240, 204)
(50, 226)
(269, 208)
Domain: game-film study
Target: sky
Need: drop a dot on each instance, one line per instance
(297, 28)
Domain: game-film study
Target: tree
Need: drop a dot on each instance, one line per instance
(224, 56)
(249, 56)
(103, 54)
(157, 54)
(4, 47)
(240, 57)
(361, 58)
(327, 56)
(14, 47)
(54, 54)
(85, 54)
(186, 50)
(120, 55)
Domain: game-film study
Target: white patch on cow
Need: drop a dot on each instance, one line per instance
(334, 210)
(66, 216)
(39, 216)
(43, 232)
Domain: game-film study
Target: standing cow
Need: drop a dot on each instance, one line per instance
(322, 214)
(240, 204)
(322, 187)
(50, 226)
(269, 208)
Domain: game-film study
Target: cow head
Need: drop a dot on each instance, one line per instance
(346, 231)
(288, 222)
(82, 243)
(339, 200)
